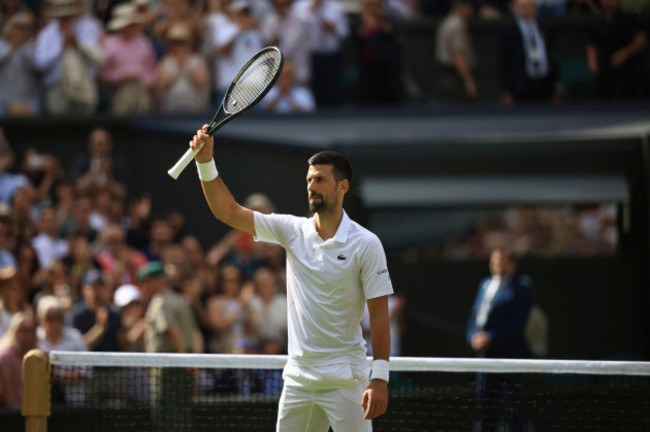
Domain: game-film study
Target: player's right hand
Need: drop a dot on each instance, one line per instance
(202, 138)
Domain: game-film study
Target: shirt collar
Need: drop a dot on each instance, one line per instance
(342, 231)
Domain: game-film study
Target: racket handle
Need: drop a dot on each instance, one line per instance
(183, 162)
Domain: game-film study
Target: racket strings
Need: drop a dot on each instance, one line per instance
(252, 82)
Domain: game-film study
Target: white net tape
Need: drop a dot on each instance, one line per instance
(398, 364)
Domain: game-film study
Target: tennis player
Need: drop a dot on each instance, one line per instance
(334, 266)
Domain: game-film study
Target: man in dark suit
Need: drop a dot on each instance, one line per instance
(526, 68)
(496, 330)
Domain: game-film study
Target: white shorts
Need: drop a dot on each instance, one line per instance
(314, 398)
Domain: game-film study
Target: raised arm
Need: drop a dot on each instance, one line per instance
(221, 202)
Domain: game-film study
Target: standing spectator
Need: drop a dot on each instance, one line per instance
(526, 68)
(328, 27)
(49, 247)
(283, 28)
(613, 54)
(286, 96)
(236, 38)
(183, 77)
(16, 342)
(67, 51)
(18, 79)
(130, 67)
(455, 55)
(495, 329)
(380, 64)
(100, 325)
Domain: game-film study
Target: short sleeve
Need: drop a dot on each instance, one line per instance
(374, 273)
(274, 228)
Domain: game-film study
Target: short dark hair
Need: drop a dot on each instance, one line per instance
(340, 164)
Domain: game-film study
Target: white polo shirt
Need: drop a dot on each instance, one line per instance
(328, 283)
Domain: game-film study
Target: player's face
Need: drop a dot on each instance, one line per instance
(321, 188)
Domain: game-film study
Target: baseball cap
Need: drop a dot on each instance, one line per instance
(127, 294)
(151, 270)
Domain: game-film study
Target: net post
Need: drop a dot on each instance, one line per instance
(36, 390)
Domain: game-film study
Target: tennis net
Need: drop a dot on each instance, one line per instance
(174, 392)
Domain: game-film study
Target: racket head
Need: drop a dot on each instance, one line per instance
(251, 83)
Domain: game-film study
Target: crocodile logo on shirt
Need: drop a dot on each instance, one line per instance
(341, 257)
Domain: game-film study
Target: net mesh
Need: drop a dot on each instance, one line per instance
(253, 81)
(241, 393)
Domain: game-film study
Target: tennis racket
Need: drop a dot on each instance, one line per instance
(250, 85)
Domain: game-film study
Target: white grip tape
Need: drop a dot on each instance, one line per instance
(380, 370)
(207, 171)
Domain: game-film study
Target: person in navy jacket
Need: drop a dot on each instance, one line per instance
(495, 329)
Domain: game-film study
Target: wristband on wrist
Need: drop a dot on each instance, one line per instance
(380, 370)
(207, 171)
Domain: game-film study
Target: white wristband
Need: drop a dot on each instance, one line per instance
(380, 370)
(207, 171)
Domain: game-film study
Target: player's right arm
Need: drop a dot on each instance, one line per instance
(221, 202)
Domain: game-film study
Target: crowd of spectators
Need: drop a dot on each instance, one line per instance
(83, 266)
(68, 57)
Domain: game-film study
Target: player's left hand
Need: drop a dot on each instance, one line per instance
(375, 399)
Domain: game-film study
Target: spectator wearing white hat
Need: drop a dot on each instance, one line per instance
(131, 303)
(183, 78)
(130, 68)
(67, 51)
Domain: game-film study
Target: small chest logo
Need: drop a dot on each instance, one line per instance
(341, 257)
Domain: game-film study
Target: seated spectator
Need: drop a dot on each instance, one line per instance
(49, 247)
(53, 334)
(402, 9)
(66, 52)
(9, 182)
(99, 324)
(24, 227)
(526, 68)
(283, 28)
(7, 259)
(268, 312)
(119, 261)
(455, 55)
(227, 312)
(43, 171)
(286, 97)
(99, 165)
(16, 342)
(13, 296)
(130, 67)
(614, 52)
(18, 80)
(131, 303)
(183, 79)
(78, 222)
(198, 264)
(160, 236)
